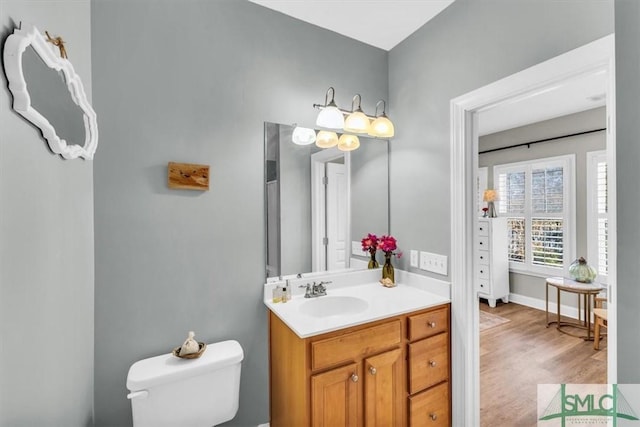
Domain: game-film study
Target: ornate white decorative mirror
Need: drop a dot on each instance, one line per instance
(21, 51)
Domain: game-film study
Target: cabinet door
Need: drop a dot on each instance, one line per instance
(335, 397)
(383, 390)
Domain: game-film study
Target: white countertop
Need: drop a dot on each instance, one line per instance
(382, 302)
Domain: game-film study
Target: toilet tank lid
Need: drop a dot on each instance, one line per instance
(157, 370)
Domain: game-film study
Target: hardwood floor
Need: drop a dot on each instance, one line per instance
(518, 355)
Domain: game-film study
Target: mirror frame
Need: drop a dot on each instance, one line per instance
(16, 44)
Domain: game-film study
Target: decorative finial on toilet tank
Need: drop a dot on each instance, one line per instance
(190, 345)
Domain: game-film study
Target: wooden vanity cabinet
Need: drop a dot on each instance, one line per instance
(375, 375)
(429, 369)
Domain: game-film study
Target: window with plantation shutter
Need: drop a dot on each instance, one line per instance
(597, 213)
(535, 196)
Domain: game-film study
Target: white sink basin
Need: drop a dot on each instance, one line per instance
(333, 306)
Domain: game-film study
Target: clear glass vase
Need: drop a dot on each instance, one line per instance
(373, 263)
(387, 268)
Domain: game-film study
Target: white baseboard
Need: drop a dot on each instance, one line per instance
(264, 425)
(539, 304)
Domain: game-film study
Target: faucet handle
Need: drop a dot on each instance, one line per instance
(308, 289)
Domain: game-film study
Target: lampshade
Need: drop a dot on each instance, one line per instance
(326, 139)
(303, 136)
(490, 196)
(357, 121)
(381, 127)
(348, 142)
(330, 115)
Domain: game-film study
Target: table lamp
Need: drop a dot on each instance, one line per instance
(490, 196)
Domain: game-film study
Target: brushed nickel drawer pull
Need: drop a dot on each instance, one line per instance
(431, 324)
(373, 370)
(433, 417)
(432, 363)
(354, 378)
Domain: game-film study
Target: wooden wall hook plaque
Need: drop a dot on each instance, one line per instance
(188, 176)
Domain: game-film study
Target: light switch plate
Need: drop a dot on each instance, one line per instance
(424, 261)
(433, 262)
(414, 259)
(356, 249)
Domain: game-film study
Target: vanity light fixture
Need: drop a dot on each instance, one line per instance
(377, 126)
(303, 136)
(348, 142)
(357, 121)
(382, 127)
(330, 116)
(326, 139)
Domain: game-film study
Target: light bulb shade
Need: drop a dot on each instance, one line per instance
(326, 139)
(382, 127)
(357, 122)
(490, 195)
(330, 117)
(348, 142)
(303, 136)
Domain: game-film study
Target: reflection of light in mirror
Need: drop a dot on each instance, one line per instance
(348, 142)
(303, 136)
(326, 139)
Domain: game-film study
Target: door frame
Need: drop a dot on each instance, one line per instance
(318, 205)
(597, 56)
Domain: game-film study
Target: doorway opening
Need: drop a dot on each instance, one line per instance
(595, 57)
(330, 209)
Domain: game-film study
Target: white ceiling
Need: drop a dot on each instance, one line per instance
(578, 94)
(385, 23)
(380, 23)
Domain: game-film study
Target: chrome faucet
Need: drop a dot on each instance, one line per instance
(315, 290)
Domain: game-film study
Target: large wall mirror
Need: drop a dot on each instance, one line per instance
(318, 201)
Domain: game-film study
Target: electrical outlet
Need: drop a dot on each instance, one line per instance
(433, 262)
(414, 258)
(356, 249)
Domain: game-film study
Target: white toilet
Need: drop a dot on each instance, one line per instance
(169, 391)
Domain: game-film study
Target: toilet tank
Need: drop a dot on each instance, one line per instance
(169, 391)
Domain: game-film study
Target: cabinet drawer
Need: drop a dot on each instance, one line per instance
(428, 362)
(483, 228)
(483, 243)
(484, 286)
(430, 408)
(482, 257)
(352, 345)
(483, 272)
(428, 324)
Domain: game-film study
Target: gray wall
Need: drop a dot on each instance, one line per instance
(469, 45)
(194, 81)
(524, 284)
(46, 248)
(628, 177)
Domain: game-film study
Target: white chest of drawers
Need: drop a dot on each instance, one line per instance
(491, 261)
